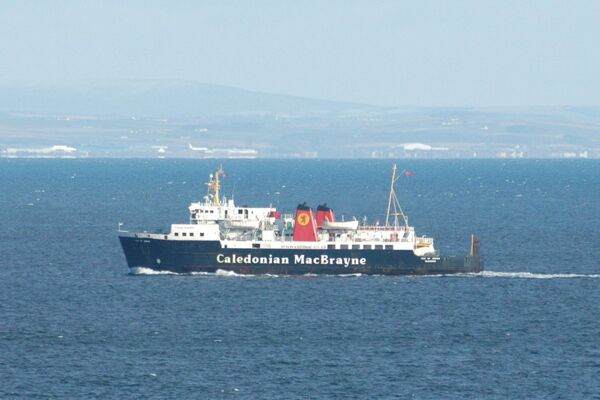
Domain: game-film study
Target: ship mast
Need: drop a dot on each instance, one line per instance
(214, 186)
(393, 201)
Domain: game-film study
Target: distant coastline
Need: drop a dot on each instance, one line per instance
(175, 119)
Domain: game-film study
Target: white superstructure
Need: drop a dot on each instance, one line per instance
(217, 218)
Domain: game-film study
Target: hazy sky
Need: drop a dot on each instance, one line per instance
(419, 52)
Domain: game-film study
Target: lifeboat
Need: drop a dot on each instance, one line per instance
(340, 225)
(241, 224)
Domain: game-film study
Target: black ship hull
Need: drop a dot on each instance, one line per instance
(182, 256)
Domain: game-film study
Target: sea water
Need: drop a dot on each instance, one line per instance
(76, 323)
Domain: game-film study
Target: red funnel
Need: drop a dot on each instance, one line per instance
(305, 229)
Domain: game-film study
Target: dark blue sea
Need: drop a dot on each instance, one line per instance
(75, 324)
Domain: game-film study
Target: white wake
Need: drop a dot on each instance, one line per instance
(222, 272)
(484, 274)
(149, 271)
(530, 275)
(219, 272)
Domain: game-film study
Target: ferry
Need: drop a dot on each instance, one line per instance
(222, 236)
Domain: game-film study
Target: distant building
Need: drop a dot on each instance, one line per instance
(422, 147)
(513, 153)
(573, 154)
(206, 152)
(56, 151)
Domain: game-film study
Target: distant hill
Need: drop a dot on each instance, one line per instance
(98, 119)
(156, 98)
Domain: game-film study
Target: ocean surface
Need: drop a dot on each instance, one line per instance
(75, 323)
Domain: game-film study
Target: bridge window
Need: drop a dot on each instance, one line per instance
(367, 247)
(389, 247)
(356, 247)
(378, 247)
(256, 245)
(176, 234)
(331, 246)
(343, 246)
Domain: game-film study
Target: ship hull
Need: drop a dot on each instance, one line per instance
(182, 256)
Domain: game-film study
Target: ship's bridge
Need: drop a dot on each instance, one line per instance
(223, 211)
(227, 211)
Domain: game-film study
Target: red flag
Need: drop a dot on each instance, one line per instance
(409, 173)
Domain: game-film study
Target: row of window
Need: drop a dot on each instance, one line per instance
(240, 211)
(364, 246)
(346, 247)
(186, 234)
